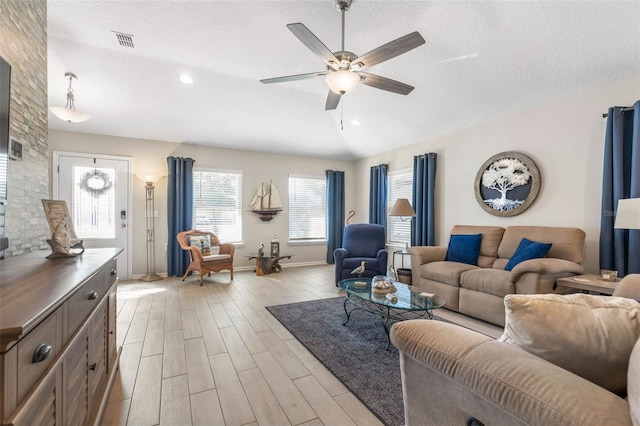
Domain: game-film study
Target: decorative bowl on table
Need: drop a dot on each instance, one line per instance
(382, 284)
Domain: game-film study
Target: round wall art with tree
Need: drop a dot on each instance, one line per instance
(507, 184)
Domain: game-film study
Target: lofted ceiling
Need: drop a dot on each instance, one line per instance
(481, 60)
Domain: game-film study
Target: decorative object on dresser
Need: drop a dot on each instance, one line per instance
(508, 173)
(219, 257)
(58, 350)
(151, 275)
(64, 236)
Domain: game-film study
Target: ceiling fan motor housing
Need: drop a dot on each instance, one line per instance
(343, 5)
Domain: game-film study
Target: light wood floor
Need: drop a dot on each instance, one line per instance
(213, 355)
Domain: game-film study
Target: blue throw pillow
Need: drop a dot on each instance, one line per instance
(527, 250)
(464, 248)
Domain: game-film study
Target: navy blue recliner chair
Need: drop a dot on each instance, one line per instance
(361, 241)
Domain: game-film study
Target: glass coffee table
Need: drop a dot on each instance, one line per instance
(408, 303)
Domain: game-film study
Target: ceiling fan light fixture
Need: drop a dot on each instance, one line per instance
(68, 113)
(342, 81)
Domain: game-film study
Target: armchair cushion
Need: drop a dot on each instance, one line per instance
(591, 336)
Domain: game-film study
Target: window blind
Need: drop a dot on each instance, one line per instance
(217, 198)
(400, 186)
(307, 208)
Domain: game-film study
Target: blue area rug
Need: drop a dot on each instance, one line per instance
(354, 353)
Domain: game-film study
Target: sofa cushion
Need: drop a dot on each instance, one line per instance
(491, 237)
(491, 281)
(464, 248)
(568, 243)
(527, 250)
(591, 336)
(633, 384)
(445, 272)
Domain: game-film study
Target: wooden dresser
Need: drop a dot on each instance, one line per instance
(58, 349)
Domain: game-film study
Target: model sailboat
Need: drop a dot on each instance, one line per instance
(267, 202)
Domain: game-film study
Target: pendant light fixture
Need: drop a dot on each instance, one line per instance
(69, 113)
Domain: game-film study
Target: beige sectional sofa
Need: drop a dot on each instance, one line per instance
(559, 372)
(479, 291)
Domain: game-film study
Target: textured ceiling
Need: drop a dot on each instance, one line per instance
(481, 60)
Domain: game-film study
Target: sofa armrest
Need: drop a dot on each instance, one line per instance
(426, 254)
(546, 266)
(494, 381)
(628, 287)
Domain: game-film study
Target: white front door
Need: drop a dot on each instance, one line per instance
(97, 190)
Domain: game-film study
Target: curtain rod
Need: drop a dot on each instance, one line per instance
(625, 109)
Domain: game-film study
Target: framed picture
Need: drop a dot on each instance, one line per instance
(15, 149)
(507, 184)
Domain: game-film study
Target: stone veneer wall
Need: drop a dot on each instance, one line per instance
(23, 43)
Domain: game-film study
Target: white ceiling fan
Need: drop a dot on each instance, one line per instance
(345, 70)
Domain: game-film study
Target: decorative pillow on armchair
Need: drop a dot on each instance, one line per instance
(201, 241)
(591, 336)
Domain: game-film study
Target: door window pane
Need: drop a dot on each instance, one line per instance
(93, 202)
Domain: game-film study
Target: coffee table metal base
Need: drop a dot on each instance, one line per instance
(387, 314)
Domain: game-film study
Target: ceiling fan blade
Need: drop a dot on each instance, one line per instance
(333, 99)
(312, 42)
(386, 84)
(293, 77)
(390, 50)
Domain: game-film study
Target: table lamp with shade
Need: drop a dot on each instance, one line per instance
(628, 215)
(402, 209)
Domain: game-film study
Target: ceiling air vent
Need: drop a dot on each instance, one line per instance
(125, 40)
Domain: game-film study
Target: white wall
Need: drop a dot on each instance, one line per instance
(256, 167)
(565, 139)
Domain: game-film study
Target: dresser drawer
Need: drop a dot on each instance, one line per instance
(37, 350)
(85, 299)
(111, 272)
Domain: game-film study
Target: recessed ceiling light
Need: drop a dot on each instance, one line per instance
(355, 122)
(186, 79)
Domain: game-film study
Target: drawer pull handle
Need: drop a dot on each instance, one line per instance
(41, 353)
(93, 295)
(92, 367)
(114, 272)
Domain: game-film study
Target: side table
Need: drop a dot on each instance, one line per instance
(268, 264)
(402, 274)
(589, 282)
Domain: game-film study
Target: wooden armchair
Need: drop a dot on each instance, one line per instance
(220, 256)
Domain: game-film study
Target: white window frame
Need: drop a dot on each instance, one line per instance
(223, 236)
(320, 213)
(400, 185)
